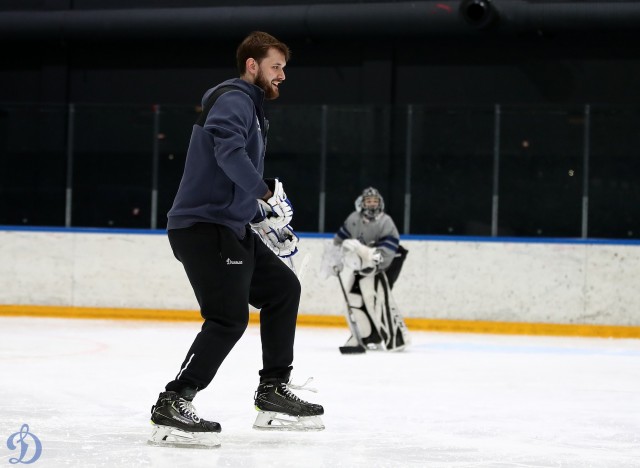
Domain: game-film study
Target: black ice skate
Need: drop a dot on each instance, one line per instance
(280, 409)
(176, 424)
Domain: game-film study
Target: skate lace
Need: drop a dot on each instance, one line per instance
(303, 386)
(286, 389)
(188, 410)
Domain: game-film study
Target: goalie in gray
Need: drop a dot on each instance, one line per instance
(366, 257)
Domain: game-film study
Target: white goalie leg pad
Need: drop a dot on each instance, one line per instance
(352, 341)
(272, 421)
(391, 318)
(372, 304)
(362, 322)
(400, 333)
(167, 436)
(384, 314)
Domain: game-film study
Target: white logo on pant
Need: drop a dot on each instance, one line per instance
(234, 262)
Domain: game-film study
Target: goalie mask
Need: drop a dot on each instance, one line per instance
(370, 204)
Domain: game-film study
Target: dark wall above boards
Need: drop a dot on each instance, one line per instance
(114, 64)
(330, 71)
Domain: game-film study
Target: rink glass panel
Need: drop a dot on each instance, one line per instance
(452, 171)
(175, 124)
(541, 172)
(115, 157)
(293, 156)
(112, 166)
(358, 149)
(33, 164)
(614, 182)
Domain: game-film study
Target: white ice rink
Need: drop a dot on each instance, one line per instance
(85, 388)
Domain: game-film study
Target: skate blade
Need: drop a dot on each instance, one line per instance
(271, 421)
(165, 436)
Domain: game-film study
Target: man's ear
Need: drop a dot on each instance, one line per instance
(252, 66)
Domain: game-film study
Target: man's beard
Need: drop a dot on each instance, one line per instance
(269, 92)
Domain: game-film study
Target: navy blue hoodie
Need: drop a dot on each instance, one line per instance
(222, 177)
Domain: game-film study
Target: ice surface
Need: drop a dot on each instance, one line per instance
(85, 388)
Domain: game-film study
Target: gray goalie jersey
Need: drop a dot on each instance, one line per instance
(380, 233)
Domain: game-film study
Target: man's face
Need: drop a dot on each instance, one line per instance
(271, 73)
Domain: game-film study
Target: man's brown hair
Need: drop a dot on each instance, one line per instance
(256, 46)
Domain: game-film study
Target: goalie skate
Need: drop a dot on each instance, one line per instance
(280, 409)
(176, 424)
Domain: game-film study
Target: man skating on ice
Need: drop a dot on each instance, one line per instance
(222, 196)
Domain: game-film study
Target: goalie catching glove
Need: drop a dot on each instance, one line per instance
(277, 210)
(359, 257)
(282, 242)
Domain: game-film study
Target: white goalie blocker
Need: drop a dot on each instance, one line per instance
(371, 311)
(274, 229)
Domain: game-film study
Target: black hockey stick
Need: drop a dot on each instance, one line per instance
(353, 326)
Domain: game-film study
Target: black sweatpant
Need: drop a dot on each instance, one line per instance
(227, 274)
